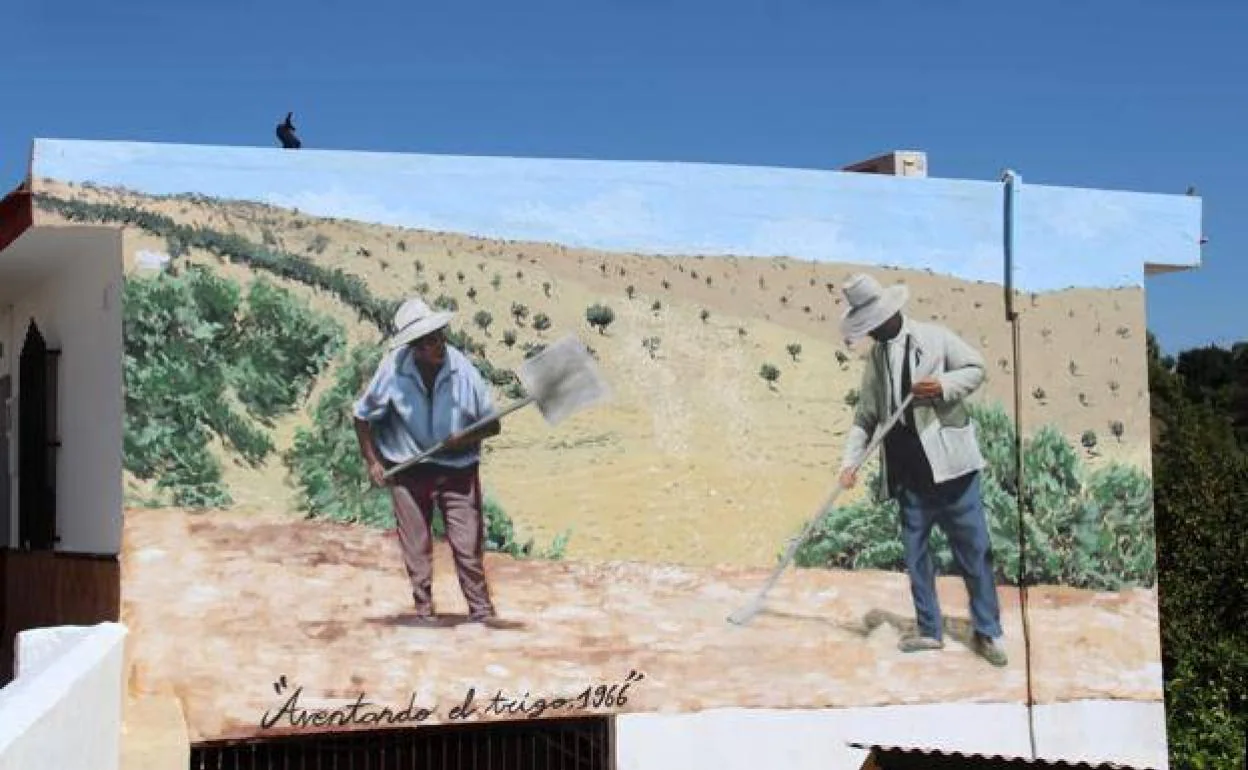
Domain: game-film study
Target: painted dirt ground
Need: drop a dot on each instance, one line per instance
(222, 604)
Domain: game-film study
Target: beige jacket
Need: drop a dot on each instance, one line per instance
(944, 426)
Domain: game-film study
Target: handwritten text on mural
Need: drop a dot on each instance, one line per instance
(500, 704)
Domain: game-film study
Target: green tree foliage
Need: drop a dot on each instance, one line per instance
(1081, 528)
(282, 347)
(1218, 377)
(196, 366)
(1201, 472)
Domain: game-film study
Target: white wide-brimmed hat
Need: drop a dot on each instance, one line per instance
(870, 305)
(414, 320)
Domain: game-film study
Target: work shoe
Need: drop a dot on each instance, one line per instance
(919, 644)
(989, 649)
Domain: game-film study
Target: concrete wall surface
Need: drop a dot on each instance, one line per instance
(64, 709)
(819, 739)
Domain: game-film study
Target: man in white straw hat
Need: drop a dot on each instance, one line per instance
(930, 461)
(425, 391)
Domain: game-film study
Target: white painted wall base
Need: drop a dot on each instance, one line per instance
(1124, 732)
(63, 710)
(748, 739)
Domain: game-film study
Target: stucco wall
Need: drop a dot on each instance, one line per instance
(64, 709)
(818, 739)
(76, 304)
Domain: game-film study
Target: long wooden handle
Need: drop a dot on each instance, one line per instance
(796, 543)
(478, 424)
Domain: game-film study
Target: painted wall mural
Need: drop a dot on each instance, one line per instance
(590, 566)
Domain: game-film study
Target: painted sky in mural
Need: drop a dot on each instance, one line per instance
(1100, 238)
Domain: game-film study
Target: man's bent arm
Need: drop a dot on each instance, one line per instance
(364, 433)
(855, 444)
(866, 419)
(966, 369)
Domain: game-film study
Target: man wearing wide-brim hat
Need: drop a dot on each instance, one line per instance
(426, 391)
(930, 462)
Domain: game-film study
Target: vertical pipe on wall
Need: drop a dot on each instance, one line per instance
(1011, 181)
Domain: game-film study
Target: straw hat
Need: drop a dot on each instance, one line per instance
(870, 305)
(414, 320)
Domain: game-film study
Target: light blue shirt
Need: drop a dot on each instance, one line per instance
(407, 421)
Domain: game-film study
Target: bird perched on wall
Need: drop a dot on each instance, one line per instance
(286, 134)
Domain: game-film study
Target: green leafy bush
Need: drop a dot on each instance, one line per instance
(200, 362)
(325, 457)
(1082, 529)
(282, 347)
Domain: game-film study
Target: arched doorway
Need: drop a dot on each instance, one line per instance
(36, 447)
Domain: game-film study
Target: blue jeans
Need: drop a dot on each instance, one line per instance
(957, 507)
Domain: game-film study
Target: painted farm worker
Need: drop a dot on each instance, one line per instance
(930, 461)
(425, 391)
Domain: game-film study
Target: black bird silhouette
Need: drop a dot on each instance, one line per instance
(286, 134)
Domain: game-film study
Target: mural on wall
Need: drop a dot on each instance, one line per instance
(286, 313)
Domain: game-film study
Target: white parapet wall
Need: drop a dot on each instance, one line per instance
(63, 710)
(819, 739)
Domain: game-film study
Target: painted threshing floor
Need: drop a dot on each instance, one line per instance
(221, 605)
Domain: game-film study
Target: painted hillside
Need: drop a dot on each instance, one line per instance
(699, 459)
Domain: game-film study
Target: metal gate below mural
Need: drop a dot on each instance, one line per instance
(547, 744)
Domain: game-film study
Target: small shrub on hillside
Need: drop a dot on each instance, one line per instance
(483, 319)
(1088, 439)
(770, 374)
(599, 316)
(794, 349)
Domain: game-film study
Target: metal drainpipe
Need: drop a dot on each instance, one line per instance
(1011, 182)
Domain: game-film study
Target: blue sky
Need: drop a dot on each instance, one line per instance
(1146, 96)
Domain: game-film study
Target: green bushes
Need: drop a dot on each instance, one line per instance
(1082, 529)
(202, 361)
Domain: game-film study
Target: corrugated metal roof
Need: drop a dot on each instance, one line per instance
(885, 752)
